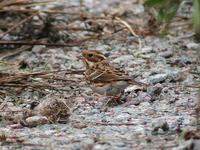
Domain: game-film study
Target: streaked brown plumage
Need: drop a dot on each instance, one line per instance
(103, 78)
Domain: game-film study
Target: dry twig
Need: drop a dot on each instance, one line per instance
(7, 3)
(26, 80)
(13, 52)
(32, 43)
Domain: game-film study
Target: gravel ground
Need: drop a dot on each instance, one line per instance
(149, 119)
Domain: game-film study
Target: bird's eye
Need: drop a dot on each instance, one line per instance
(90, 55)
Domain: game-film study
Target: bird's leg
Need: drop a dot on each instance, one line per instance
(118, 97)
(114, 98)
(109, 99)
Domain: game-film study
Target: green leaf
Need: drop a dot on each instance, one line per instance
(167, 9)
(196, 17)
(151, 3)
(168, 13)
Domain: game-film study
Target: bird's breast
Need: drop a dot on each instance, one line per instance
(109, 89)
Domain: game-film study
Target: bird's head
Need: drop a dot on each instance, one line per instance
(90, 57)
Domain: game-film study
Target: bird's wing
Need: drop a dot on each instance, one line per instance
(103, 72)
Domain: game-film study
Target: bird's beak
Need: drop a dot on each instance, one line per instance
(84, 60)
(81, 57)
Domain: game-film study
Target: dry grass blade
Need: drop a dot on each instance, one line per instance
(6, 3)
(5, 62)
(32, 43)
(41, 11)
(13, 52)
(128, 26)
(35, 80)
(37, 3)
(70, 110)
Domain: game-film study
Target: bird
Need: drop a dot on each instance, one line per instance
(103, 78)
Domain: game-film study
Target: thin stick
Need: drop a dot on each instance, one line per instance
(13, 52)
(7, 3)
(36, 43)
(41, 11)
(71, 44)
(48, 72)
